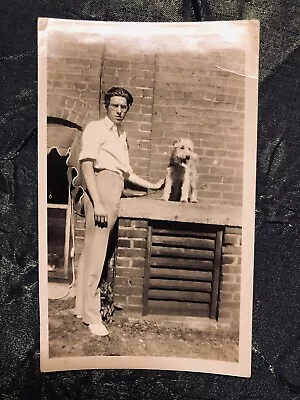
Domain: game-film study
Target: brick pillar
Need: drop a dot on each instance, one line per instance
(135, 72)
(130, 264)
(229, 302)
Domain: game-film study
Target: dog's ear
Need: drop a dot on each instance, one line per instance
(190, 144)
(175, 143)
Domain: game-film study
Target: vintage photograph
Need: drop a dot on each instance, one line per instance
(147, 155)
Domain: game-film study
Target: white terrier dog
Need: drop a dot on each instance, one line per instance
(181, 178)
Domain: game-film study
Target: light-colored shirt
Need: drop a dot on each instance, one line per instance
(106, 144)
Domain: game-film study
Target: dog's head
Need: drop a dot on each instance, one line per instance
(183, 151)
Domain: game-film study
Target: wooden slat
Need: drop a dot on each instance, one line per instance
(57, 206)
(181, 274)
(184, 253)
(183, 242)
(189, 286)
(178, 296)
(205, 265)
(184, 233)
(160, 307)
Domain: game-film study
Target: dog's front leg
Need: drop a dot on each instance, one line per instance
(168, 186)
(194, 194)
(185, 185)
(193, 198)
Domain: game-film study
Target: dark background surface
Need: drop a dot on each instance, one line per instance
(276, 319)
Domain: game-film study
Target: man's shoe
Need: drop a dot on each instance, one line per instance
(98, 329)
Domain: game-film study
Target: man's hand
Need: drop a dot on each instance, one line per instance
(158, 185)
(100, 215)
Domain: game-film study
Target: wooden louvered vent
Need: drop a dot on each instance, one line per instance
(182, 269)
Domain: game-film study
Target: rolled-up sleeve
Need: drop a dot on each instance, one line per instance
(91, 141)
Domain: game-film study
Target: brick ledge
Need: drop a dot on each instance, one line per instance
(145, 208)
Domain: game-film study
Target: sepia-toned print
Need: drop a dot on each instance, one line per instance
(147, 154)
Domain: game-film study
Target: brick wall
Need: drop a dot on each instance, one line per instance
(73, 70)
(68, 108)
(196, 99)
(130, 264)
(196, 95)
(79, 226)
(229, 300)
(131, 261)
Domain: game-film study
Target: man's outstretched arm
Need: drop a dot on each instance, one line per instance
(137, 180)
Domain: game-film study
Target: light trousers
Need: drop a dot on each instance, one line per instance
(90, 267)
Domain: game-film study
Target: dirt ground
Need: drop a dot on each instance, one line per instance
(69, 337)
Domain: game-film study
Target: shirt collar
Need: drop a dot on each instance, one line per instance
(110, 125)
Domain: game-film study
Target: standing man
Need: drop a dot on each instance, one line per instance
(105, 165)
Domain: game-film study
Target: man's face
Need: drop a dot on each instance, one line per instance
(117, 109)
